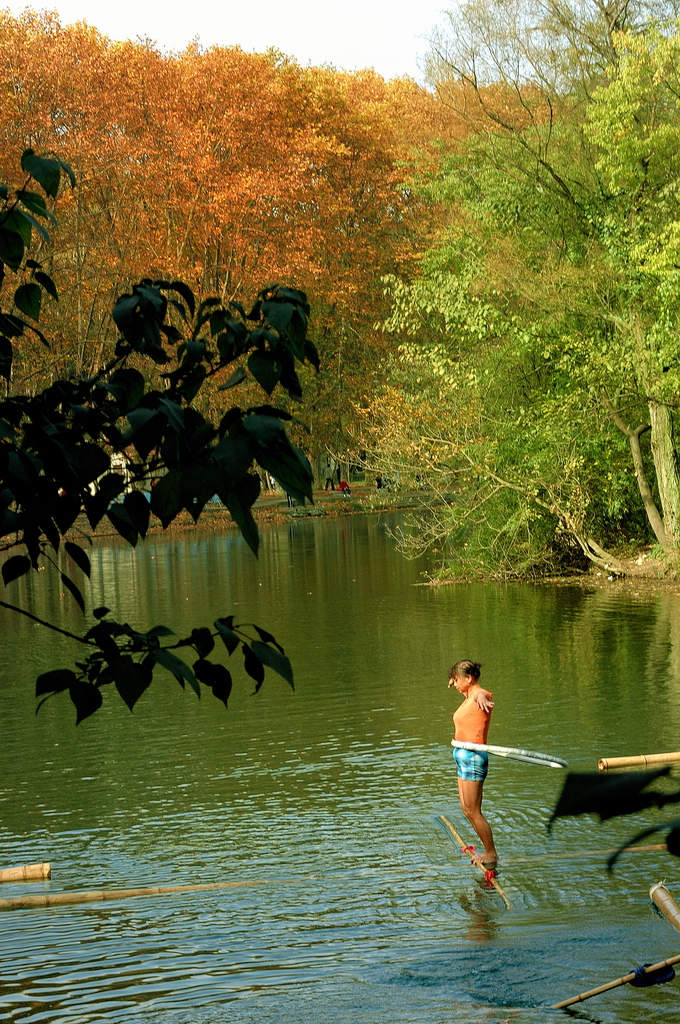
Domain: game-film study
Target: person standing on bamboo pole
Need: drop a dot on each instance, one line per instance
(471, 725)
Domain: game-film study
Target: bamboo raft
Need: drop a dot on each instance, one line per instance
(664, 902)
(605, 764)
(26, 873)
(624, 980)
(476, 860)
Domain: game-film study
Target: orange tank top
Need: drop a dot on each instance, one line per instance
(470, 723)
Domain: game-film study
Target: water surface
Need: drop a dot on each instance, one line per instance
(351, 903)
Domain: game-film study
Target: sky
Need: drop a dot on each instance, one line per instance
(390, 36)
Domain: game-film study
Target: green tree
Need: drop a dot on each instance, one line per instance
(560, 328)
(58, 449)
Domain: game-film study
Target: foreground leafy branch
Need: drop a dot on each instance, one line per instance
(114, 446)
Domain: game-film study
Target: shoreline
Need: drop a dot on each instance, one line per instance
(271, 508)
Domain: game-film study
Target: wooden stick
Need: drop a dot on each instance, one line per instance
(25, 873)
(586, 853)
(637, 761)
(661, 898)
(613, 984)
(476, 860)
(53, 899)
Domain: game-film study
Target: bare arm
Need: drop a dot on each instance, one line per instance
(484, 701)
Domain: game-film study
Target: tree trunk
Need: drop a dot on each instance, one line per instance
(667, 472)
(633, 434)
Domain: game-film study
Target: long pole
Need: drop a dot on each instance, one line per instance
(476, 860)
(614, 984)
(54, 899)
(637, 760)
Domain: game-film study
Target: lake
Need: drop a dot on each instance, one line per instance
(350, 903)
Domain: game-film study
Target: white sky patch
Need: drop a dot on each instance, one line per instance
(390, 36)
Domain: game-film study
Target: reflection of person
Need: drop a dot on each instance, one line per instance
(471, 725)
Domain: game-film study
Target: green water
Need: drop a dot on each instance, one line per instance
(352, 904)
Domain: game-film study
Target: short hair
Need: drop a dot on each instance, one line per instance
(465, 667)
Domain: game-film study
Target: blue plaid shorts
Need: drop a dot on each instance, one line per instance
(471, 764)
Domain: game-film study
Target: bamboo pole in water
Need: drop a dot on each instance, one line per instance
(25, 873)
(661, 898)
(54, 899)
(649, 969)
(579, 854)
(637, 760)
(477, 861)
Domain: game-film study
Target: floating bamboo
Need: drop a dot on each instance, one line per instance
(637, 761)
(661, 898)
(579, 854)
(25, 873)
(625, 980)
(476, 860)
(54, 899)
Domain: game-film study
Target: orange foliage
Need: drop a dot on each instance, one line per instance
(226, 169)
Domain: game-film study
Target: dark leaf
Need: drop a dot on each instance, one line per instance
(167, 497)
(234, 455)
(311, 353)
(34, 202)
(131, 679)
(609, 795)
(266, 370)
(12, 326)
(138, 509)
(74, 591)
(86, 698)
(11, 248)
(178, 668)
(79, 556)
(55, 681)
(47, 283)
(237, 377)
(108, 489)
(266, 637)
(230, 639)
(239, 500)
(253, 666)
(15, 567)
(122, 521)
(66, 511)
(186, 293)
(157, 631)
(202, 639)
(28, 298)
(127, 386)
(6, 356)
(45, 171)
(173, 413)
(272, 658)
(217, 677)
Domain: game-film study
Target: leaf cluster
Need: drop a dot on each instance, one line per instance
(112, 445)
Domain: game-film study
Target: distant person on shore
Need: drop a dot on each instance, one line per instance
(471, 725)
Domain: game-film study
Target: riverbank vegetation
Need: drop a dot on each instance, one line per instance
(537, 370)
(492, 262)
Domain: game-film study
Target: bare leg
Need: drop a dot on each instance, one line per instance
(470, 795)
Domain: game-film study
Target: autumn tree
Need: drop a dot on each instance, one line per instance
(224, 169)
